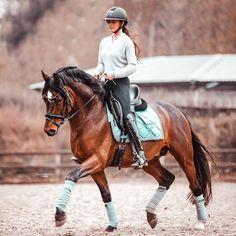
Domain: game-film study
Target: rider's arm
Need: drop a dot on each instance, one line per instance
(132, 63)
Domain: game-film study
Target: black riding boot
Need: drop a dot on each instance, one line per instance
(132, 131)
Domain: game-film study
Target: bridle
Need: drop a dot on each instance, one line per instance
(64, 117)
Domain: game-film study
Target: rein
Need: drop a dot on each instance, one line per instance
(78, 111)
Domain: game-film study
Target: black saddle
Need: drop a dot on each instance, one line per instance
(136, 104)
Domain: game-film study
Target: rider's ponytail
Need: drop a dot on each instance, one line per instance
(136, 46)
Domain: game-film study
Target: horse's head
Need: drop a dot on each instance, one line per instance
(66, 93)
(59, 102)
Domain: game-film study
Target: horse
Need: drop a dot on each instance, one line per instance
(72, 95)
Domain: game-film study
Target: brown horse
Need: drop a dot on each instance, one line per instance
(72, 94)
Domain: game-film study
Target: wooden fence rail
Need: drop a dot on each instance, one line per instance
(36, 152)
(28, 167)
(215, 151)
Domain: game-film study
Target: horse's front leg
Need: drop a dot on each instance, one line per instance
(88, 167)
(101, 181)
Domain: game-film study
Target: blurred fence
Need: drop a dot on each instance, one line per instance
(50, 166)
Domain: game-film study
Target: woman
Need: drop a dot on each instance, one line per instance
(117, 59)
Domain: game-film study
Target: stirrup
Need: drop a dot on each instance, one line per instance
(140, 162)
(138, 165)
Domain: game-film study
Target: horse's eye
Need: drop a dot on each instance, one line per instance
(59, 99)
(52, 101)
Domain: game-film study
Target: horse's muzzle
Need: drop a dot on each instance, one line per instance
(51, 126)
(50, 129)
(50, 132)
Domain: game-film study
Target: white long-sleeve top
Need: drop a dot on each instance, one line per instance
(117, 56)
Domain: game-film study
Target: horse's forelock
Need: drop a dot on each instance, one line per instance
(54, 85)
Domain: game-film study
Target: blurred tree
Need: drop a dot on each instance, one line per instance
(24, 18)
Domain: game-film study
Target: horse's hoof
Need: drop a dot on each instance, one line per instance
(199, 225)
(110, 228)
(152, 219)
(60, 218)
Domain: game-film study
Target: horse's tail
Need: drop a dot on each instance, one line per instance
(202, 168)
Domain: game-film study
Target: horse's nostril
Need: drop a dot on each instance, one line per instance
(51, 132)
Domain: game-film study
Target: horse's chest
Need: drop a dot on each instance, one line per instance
(81, 149)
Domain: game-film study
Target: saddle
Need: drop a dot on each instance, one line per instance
(136, 104)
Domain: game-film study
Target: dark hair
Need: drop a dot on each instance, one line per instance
(136, 46)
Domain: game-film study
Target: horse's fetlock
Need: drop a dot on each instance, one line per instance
(168, 180)
(106, 197)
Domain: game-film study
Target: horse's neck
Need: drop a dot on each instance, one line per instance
(92, 114)
(86, 128)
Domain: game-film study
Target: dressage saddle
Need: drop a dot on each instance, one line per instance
(136, 104)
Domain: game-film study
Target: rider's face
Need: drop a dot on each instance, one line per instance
(113, 25)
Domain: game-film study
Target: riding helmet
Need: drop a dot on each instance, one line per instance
(117, 13)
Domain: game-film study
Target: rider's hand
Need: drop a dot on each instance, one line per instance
(109, 76)
(96, 75)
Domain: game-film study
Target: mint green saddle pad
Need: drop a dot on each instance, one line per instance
(148, 123)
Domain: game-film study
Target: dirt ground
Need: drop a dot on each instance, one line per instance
(28, 210)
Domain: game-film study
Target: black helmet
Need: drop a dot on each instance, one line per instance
(116, 13)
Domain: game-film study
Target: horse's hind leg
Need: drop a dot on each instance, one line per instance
(185, 158)
(101, 181)
(165, 179)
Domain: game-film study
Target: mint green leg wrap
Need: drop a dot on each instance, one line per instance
(201, 209)
(65, 196)
(111, 214)
(155, 200)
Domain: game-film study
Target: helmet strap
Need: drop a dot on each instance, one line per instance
(120, 27)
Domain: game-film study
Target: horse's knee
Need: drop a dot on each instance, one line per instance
(75, 175)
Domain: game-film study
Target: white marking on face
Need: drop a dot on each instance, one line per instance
(49, 95)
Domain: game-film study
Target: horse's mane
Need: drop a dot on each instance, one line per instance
(64, 74)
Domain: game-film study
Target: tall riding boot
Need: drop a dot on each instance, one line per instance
(132, 131)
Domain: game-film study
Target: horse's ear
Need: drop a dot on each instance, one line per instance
(45, 76)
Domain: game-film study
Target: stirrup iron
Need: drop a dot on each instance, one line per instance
(141, 160)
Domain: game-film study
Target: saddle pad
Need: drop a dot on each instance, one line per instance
(148, 124)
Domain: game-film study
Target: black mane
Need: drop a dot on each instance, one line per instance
(64, 74)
